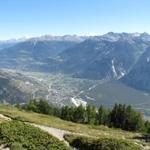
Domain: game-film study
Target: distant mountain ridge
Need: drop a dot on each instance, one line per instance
(73, 38)
(109, 56)
(112, 56)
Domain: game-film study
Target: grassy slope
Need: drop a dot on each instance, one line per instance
(96, 131)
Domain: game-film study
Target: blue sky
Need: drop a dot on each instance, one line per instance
(58, 17)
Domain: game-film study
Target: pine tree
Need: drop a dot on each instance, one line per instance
(125, 117)
(43, 107)
(80, 114)
(91, 114)
(102, 116)
(32, 106)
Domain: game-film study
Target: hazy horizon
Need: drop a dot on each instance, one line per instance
(38, 36)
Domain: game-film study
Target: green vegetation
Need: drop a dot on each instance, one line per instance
(41, 106)
(102, 116)
(19, 136)
(51, 121)
(88, 130)
(125, 117)
(84, 143)
(121, 116)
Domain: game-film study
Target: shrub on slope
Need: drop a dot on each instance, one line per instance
(28, 137)
(84, 143)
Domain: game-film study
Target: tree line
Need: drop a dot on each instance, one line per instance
(120, 116)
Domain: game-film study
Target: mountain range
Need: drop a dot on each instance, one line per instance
(119, 60)
(109, 56)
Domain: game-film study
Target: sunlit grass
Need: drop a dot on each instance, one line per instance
(96, 131)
